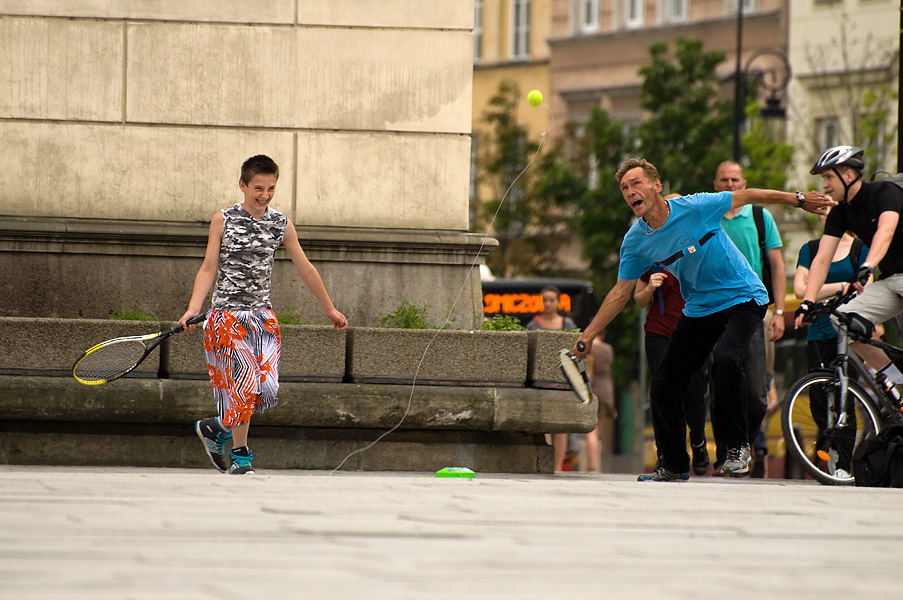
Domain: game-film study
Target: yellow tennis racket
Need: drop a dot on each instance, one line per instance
(112, 359)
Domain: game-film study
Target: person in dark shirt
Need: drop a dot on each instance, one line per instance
(871, 210)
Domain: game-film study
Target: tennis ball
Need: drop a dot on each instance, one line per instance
(534, 97)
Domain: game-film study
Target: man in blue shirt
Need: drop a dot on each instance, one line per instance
(725, 300)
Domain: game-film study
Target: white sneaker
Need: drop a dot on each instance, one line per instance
(842, 474)
(737, 461)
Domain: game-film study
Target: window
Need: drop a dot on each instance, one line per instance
(633, 13)
(477, 30)
(589, 16)
(520, 29)
(749, 6)
(828, 131)
(675, 11)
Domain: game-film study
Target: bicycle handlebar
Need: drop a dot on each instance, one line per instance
(827, 307)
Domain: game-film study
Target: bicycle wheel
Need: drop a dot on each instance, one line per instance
(826, 451)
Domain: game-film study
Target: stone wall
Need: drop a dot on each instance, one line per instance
(125, 123)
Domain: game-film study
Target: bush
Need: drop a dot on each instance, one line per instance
(407, 316)
(503, 323)
(291, 316)
(127, 313)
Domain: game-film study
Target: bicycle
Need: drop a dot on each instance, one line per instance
(827, 414)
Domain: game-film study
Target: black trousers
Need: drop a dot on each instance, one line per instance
(694, 398)
(690, 344)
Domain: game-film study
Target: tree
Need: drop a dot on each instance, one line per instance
(688, 131)
(578, 174)
(860, 71)
(527, 224)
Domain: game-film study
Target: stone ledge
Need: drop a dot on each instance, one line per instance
(336, 405)
(148, 422)
(106, 444)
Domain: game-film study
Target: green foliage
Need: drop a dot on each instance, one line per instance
(601, 217)
(127, 313)
(503, 323)
(291, 315)
(765, 159)
(526, 224)
(690, 127)
(874, 126)
(407, 316)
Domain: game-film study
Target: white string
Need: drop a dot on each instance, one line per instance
(455, 301)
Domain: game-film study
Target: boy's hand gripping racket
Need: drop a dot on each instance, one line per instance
(114, 358)
(574, 371)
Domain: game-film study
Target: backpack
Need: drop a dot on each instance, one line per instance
(878, 461)
(894, 178)
(855, 251)
(759, 219)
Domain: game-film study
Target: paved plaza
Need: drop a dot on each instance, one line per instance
(141, 533)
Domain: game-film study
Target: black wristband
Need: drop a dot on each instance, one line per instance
(800, 199)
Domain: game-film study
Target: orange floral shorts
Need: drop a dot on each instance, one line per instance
(243, 362)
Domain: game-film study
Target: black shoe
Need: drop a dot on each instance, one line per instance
(700, 459)
(241, 461)
(214, 438)
(758, 470)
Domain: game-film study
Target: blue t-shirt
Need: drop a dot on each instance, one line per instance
(713, 276)
(840, 270)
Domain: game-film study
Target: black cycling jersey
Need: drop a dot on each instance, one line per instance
(860, 215)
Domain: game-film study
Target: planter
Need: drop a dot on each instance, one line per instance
(309, 353)
(543, 349)
(51, 346)
(484, 358)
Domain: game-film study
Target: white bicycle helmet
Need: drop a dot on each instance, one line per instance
(841, 156)
(846, 156)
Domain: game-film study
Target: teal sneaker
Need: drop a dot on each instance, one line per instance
(241, 461)
(214, 438)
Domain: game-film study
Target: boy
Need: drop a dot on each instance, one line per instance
(242, 339)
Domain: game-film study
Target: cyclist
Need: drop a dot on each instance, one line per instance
(821, 337)
(871, 210)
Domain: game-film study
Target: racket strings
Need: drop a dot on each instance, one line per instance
(110, 360)
(454, 304)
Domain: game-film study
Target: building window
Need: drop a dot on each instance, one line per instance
(589, 16)
(828, 131)
(520, 29)
(675, 11)
(634, 11)
(477, 30)
(749, 6)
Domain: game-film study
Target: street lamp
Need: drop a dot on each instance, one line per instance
(772, 77)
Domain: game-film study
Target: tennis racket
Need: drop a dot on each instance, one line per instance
(574, 371)
(110, 360)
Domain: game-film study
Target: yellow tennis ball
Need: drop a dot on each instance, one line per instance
(534, 97)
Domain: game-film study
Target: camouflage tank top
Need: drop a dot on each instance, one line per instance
(246, 254)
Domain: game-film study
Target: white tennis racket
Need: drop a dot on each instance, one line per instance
(574, 370)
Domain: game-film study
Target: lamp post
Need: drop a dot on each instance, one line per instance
(738, 82)
(773, 77)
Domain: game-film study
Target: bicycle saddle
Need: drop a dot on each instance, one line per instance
(859, 326)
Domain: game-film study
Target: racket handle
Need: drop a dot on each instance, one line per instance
(581, 346)
(192, 321)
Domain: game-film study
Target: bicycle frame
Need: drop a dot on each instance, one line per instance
(846, 357)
